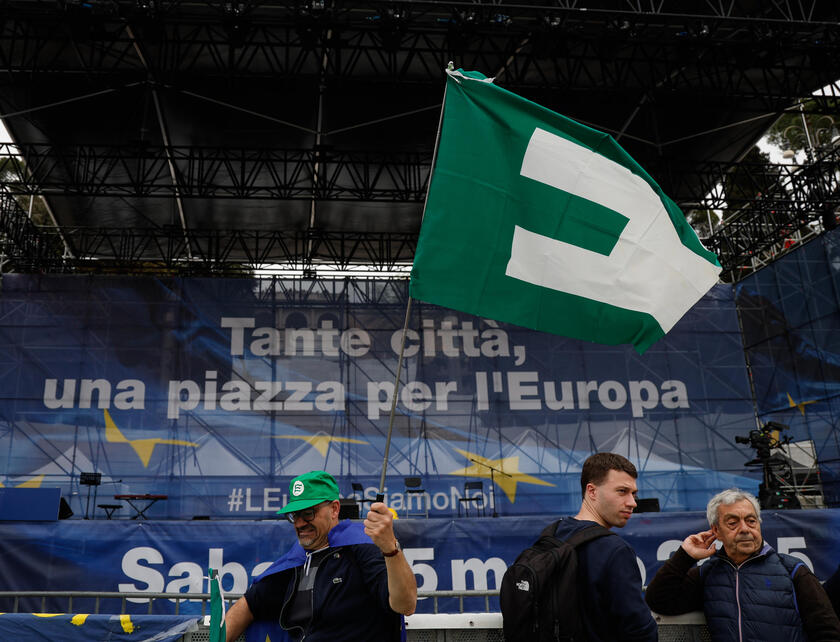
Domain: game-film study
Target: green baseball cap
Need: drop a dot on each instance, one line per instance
(310, 489)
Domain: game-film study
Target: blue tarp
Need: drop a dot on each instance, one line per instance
(216, 392)
(85, 627)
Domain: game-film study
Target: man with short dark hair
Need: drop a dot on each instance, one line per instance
(341, 581)
(748, 592)
(612, 605)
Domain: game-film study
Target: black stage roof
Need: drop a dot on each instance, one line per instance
(317, 119)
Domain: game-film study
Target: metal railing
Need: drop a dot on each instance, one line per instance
(178, 598)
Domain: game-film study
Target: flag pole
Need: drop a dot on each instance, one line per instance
(380, 496)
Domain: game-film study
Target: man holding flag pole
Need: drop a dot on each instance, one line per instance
(342, 580)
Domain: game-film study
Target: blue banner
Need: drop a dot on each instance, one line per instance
(85, 627)
(214, 393)
(473, 553)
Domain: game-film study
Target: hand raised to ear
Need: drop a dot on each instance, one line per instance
(700, 545)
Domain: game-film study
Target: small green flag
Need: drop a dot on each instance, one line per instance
(537, 220)
(218, 631)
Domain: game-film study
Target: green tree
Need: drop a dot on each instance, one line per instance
(788, 132)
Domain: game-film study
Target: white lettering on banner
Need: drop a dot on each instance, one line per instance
(190, 575)
(667, 548)
(642, 569)
(215, 559)
(235, 395)
(248, 506)
(273, 499)
(414, 398)
(648, 270)
(237, 343)
(479, 570)
(454, 339)
(133, 569)
(191, 578)
(787, 544)
(455, 342)
(147, 571)
(243, 498)
(131, 394)
(427, 574)
(294, 342)
(525, 391)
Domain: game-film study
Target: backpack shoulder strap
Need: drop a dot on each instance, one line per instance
(549, 530)
(587, 534)
(582, 536)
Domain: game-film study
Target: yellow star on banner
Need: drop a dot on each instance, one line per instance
(321, 442)
(801, 405)
(126, 623)
(35, 482)
(509, 465)
(143, 447)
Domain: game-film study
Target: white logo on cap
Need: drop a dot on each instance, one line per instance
(297, 488)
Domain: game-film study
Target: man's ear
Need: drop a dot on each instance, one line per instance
(591, 490)
(335, 508)
(715, 531)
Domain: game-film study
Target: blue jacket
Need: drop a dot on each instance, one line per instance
(614, 609)
(350, 597)
(753, 601)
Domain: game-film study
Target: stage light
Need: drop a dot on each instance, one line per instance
(235, 25)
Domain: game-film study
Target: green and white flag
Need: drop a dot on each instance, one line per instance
(218, 630)
(537, 220)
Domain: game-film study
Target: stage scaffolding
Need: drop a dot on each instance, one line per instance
(801, 202)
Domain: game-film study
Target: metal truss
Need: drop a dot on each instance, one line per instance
(170, 250)
(776, 207)
(635, 46)
(203, 172)
(796, 204)
(219, 172)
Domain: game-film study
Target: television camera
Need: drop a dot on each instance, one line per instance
(773, 492)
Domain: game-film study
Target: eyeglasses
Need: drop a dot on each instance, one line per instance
(307, 514)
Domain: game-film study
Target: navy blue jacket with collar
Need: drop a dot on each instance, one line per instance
(350, 596)
(613, 606)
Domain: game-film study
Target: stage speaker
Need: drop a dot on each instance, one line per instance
(349, 509)
(647, 505)
(64, 510)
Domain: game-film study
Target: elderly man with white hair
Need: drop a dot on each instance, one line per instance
(748, 591)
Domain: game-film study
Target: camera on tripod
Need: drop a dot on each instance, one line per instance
(773, 493)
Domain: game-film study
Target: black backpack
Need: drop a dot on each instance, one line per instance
(539, 592)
